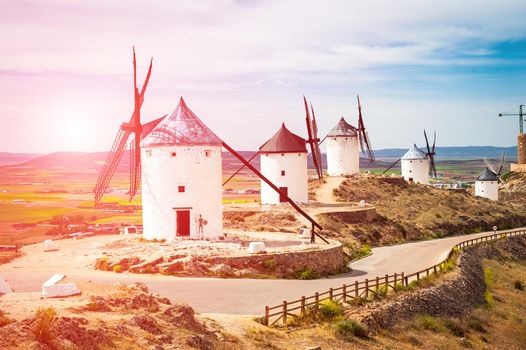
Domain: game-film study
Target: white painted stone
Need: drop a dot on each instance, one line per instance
(305, 232)
(198, 169)
(295, 177)
(343, 155)
(50, 245)
(487, 189)
(362, 204)
(256, 247)
(51, 288)
(4, 287)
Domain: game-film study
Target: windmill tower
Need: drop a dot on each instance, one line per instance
(417, 165)
(344, 143)
(487, 184)
(181, 179)
(284, 162)
(343, 150)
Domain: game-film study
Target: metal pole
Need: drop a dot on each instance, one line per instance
(521, 119)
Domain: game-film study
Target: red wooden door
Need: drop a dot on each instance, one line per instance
(282, 198)
(183, 223)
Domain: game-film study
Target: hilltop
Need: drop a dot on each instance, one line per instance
(409, 211)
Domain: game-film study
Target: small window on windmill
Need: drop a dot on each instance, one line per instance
(334, 138)
(173, 154)
(282, 154)
(282, 172)
(410, 170)
(148, 153)
(346, 139)
(181, 189)
(410, 161)
(208, 153)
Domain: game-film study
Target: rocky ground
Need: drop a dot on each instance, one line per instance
(224, 258)
(118, 317)
(408, 211)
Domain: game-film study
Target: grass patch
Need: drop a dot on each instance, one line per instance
(349, 329)
(307, 274)
(329, 309)
(45, 319)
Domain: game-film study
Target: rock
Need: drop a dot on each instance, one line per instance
(222, 270)
(183, 316)
(51, 288)
(147, 323)
(147, 266)
(50, 245)
(72, 329)
(198, 342)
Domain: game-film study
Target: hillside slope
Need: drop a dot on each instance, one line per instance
(408, 211)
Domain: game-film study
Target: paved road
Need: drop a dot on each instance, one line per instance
(215, 295)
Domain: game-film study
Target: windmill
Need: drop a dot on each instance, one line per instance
(490, 167)
(313, 140)
(134, 129)
(363, 135)
(415, 154)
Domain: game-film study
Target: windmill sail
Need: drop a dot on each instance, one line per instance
(313, 139)
(363, 136)
(431, 155)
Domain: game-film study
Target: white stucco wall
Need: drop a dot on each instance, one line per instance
(417, 169)
(162, 174)
(487, 189)
(295, 178)
(343, 156)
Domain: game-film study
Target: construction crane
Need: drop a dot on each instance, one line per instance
(520, 115)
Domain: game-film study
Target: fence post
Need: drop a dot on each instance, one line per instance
(330, 294)
(285, 304)
(366, 288)
(303, 305)
(404, 280)
(355, 289)
(394, 284)
(427, 272)
(267, 312)
(386, 279)
(317, 300)
(435, 269)
(344, 289)
(418, 276)
(377, 284)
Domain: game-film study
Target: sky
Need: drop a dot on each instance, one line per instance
(66, 80)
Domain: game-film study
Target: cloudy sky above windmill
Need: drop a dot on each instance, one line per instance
(242, 66)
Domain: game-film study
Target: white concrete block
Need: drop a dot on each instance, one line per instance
(54, 279)
(4, 287)
(50, 245)
(362, 204)
(60, 290)
(304, 232)
(256, 247)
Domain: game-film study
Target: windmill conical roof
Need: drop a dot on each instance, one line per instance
(414, 153)
(487, 175)
(343, 129)
(284, 141)
(181, 128)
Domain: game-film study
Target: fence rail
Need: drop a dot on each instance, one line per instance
(371, 287)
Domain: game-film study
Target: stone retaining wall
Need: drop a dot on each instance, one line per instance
(365, 215)
(451, 298)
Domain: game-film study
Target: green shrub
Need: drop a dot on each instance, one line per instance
(359, 301)
(4, 321)
(449, 265)
(455, 327)
(488, 277)
(428, 323)
(330, 309)
(350, 328)
(45, 319)
(518, 285)
(477, 324)
(307, 274)
(488, 298)
(364, 250)
(382, 292)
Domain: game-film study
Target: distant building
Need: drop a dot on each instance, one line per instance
(343, 150)
(284, 162)
(487, 185)
(415, 166)
(181, 179)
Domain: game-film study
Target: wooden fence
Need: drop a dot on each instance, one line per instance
(370, 288)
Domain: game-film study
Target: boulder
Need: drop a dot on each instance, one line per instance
(50, 245)
(51, 288)
(4, 287)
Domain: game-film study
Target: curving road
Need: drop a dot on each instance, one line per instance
(215, 295)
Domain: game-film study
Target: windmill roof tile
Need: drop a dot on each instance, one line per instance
(181, 128)
(343, 129)
(415, 153)
(284, 141)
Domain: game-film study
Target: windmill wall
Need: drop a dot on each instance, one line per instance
(521, 142)
(343, 156)
(416, 170)
(295, 176)
(487, 189)
(164, 170)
